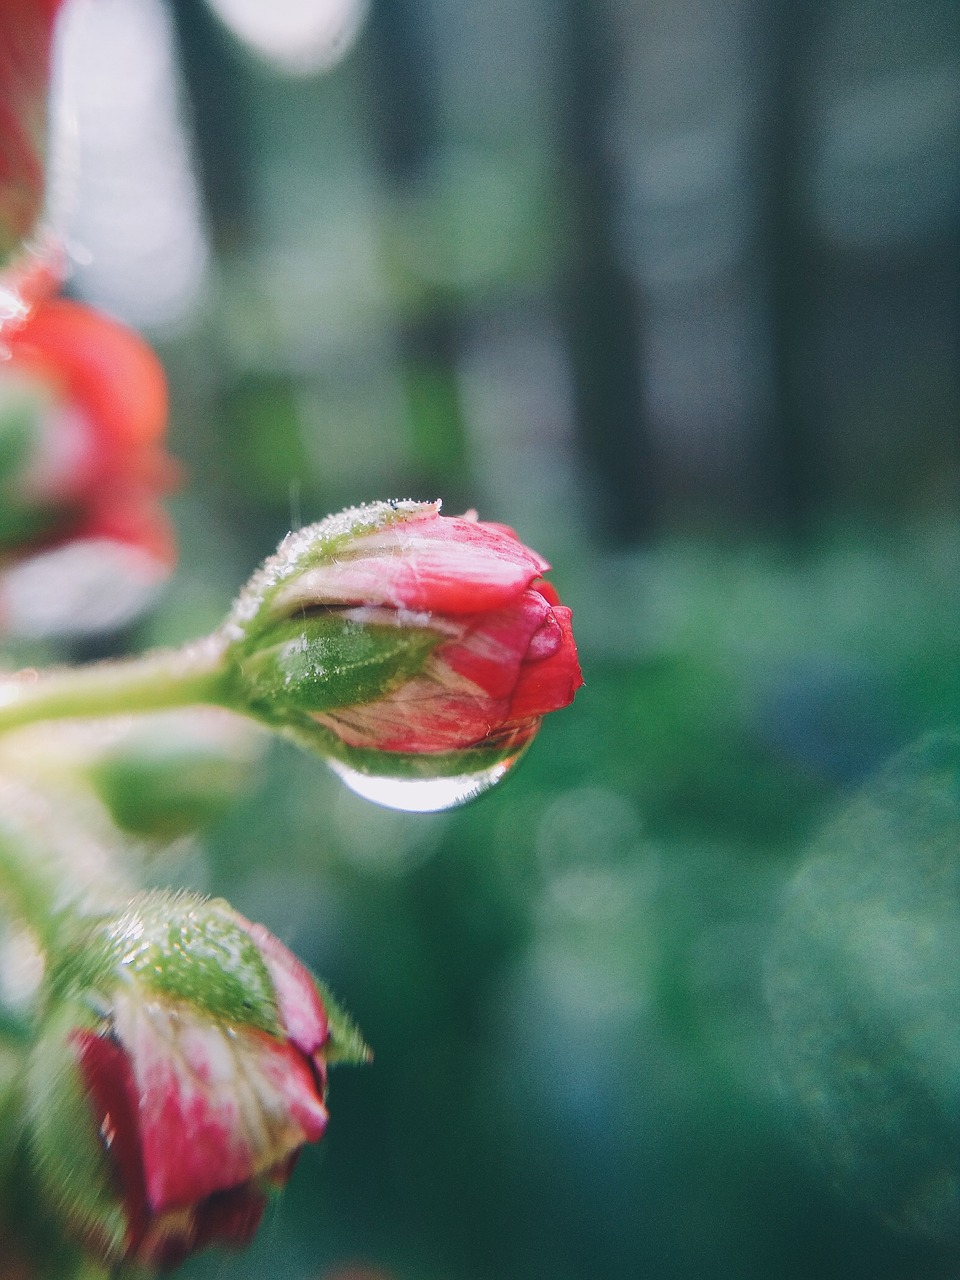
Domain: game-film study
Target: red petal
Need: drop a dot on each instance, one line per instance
(435, 712)
(109, 1082)
(436, 564)
(513, 665)
(491, 651)
(218, 1104)
(107, 368)
(547, 590)
(230, 1217)
(546, 640)
(546, 684)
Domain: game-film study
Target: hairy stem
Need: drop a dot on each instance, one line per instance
(154, 682)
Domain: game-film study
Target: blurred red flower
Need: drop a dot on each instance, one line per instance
(186, 1069)
(26, 32)
(83, 409)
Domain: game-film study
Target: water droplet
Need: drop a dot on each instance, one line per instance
(422, 795)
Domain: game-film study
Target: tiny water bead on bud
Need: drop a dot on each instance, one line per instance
(184, 1052)
(418, 653)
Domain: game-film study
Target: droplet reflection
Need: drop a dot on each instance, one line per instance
(422, 795)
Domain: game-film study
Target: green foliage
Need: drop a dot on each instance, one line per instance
(164, 788)
(864, 984)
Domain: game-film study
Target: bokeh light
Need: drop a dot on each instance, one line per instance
(124, 193)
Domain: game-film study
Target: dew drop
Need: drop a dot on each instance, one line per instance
(422, 795)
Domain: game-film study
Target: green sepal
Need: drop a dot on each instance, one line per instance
(255, 609)
(322, 661)
(66, 1151)
(178, 945)
(290, 656)
(346, 1045)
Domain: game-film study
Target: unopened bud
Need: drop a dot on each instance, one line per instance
(185, 1052)
(403, 644)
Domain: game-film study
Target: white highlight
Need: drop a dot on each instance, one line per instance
(297, 36)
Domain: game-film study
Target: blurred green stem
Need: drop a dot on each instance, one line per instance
(38, 879)
(27, 889)
(154, 682)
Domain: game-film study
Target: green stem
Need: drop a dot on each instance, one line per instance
(47, 875)
(27, 888)
(156, 681)
(39, 880)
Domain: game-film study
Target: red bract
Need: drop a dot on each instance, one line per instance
(84, 475)
(201, 1117)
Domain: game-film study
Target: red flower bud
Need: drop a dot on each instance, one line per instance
(188, 1063)
(83, 408)
(405, 643)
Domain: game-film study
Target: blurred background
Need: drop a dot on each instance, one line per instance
(673, 289)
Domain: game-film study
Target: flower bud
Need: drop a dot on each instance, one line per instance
(185, 1054)
(402, 643)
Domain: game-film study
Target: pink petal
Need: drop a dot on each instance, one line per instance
(437, 711)
(438, 564)
(301, 1010)
(218, 1104)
